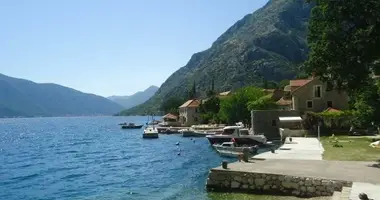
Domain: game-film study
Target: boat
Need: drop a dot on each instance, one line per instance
(131, 126)
(150, 132)
(241, 138)
(193, 133)
(235, 154)
(230, 154)
(230, 146)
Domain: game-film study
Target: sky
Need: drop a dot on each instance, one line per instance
(110, 47)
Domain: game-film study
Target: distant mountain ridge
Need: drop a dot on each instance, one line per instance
(24, 98)
(135, 99)
(265, 45)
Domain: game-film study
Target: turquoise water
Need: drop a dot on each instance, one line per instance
(92, 158)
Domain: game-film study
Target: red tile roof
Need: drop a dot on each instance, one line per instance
(284, 102)
(332, 110)
(190, 104)
(170, 116)
(299, 82)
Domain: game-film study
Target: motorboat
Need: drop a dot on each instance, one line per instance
(230, 146)
(130, 126)
(234, 152)
(150, 132)
(193, 133)
(231, 133)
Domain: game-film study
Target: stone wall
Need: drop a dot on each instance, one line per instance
(223, 180)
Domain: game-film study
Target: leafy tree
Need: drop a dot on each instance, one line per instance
(344, 39)
(366, 105)
(263, 103)
(171, 105)
(211, 104)
(209, 109)
(234, 108)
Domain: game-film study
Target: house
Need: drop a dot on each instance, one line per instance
(311, 95)
(170, 120)
(189, 112)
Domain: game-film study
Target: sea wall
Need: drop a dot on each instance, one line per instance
(261, 183)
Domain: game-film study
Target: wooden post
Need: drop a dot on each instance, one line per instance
(319, 133)
(252, 121)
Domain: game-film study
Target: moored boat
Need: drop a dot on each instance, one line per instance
(131, 126)
(150, 132)
(241, 138)
(228, 149)
(230, 146)
(193, 133)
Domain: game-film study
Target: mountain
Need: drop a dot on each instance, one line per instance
(19, 97)
(135, 99)
(267, 44)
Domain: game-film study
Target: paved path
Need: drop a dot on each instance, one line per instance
(372, 190)
(301, 148)
(335, 170)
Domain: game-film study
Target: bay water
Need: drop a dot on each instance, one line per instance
(93, 158)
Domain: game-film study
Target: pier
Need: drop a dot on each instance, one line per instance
(285, 173)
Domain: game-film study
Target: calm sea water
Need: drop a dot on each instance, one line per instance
(92, 158)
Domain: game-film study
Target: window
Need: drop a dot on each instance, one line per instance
(318, 91)
(274, 122)
(309, 104)
(329, 104)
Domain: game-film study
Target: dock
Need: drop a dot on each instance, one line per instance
(289, 172)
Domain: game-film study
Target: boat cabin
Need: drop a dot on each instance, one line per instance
(231, 130)
(228, 144)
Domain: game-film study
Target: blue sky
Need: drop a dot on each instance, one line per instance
(110, 47)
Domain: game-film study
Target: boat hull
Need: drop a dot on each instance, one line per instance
(150, 135)
(193, 134)
(238, 140)
(131, 127)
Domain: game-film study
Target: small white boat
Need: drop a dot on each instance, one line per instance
(230, 146)
(230, 154)
(150, 132)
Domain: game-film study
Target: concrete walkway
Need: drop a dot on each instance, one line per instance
(372, 190)
(300, 148)
(352, 171)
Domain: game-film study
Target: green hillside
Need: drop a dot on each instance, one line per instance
(267, 44)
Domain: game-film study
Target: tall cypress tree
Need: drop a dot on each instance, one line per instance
(192, 92)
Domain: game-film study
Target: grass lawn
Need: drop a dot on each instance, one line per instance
(354, 149)
(239, 196)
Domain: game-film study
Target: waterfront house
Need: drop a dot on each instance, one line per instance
(298, 97)
(311, 95)
(170, 120)
(189, 112)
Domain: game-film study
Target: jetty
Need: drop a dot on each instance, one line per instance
(288, 171)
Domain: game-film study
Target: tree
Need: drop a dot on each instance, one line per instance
(269, 84)
(234, 108)
(283, 83)
(344, 37)
(263, 103)
(366, 105)
(172, 105)
(211, 92)
(192, 94)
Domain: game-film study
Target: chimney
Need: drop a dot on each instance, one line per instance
(313, 75)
